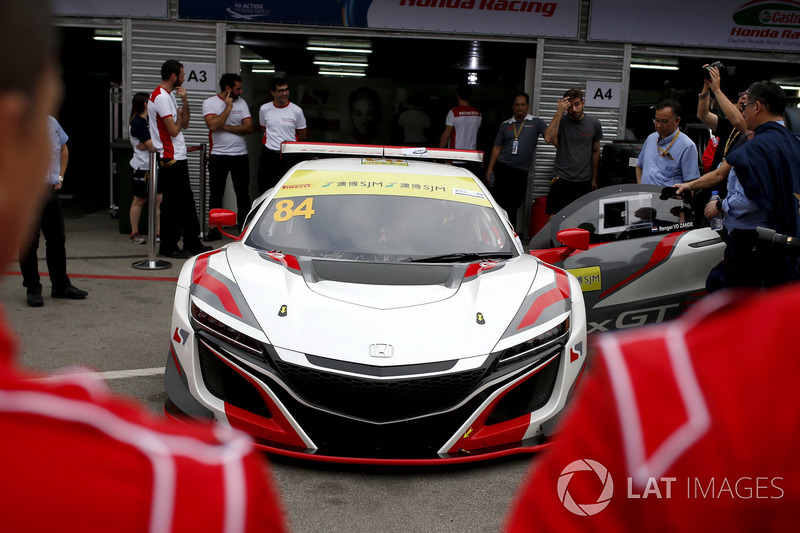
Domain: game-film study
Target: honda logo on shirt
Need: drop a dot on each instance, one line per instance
(381, 350)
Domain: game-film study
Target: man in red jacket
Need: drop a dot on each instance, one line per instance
(688, 426)
(76, 457)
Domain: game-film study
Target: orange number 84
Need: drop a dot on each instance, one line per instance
(285, 210)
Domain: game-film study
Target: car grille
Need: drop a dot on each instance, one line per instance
(379, 400)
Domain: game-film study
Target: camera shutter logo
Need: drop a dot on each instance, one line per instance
(591, 508)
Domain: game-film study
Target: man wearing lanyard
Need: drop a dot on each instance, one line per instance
(511, 157)
(668, 156)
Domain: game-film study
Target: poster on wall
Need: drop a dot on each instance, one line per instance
(104, 8)
(769, 25)
(553, 18)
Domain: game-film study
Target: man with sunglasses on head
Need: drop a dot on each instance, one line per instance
(668, 156)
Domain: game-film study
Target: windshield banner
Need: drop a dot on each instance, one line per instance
(326, 183)
(549, 18)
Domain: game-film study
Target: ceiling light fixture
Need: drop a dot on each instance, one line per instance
(652, 66)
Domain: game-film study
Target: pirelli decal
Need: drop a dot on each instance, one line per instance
(590, 278)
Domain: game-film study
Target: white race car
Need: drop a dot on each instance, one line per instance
(377, 309)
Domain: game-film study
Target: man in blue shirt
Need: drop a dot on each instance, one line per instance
(763, 189)
(668, 156)
(52, 225)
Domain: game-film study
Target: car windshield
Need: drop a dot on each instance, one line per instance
(378, 227)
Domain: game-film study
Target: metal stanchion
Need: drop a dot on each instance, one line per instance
(203, 149)
(151, 263)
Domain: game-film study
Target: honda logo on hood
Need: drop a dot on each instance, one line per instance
(381, 350)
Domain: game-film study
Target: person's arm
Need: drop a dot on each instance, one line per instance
(551, 133)
(595, 163)
(706, 181)
(301, 134)
(63, 160)
(703, 112)
(243, 129)
(184, 113)
(732, 112)
(217, 122)
(148, 144)
(445, 138)
(493, 159)
(638, 174)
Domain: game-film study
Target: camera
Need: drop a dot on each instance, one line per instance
(717, 64)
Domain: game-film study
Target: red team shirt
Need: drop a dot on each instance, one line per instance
(465, 121)
(78, 458)
(163, 104)
(694, 423)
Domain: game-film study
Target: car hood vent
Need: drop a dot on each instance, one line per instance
(382, 273)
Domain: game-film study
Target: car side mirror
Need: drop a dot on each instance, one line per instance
(219, 218)
(577, 239)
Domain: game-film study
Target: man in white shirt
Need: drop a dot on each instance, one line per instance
(281, 121)
(228, 119)
(167, 122)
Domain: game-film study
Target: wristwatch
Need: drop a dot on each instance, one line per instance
(61, 179)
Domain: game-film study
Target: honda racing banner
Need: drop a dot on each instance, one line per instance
(756, 25)
(554, 18)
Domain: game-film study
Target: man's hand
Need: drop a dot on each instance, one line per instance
(713, 82)
(683, 187)
(181, 92)
(711, 210)
(563, 105)
(228, 99)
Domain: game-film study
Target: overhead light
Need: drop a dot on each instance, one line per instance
(789, 87)
(653, 66)
(101, 34)
(342, 50)
(341, 64)
(472, 78)
(263, 71)
(254, 60)
(342, 73)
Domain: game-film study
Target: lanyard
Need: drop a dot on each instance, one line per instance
(731, 140)
(514, 127)
(664, 152)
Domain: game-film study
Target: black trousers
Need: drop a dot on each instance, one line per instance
(178, 211)
(239, 168)
(510, 185)
(750, 264)
(272, 167)
(52, 226)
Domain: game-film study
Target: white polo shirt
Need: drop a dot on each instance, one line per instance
(163, 104)
(281, 123)
(225, 142)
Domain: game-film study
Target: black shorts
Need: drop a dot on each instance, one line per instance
(563, 192)
(141, 180)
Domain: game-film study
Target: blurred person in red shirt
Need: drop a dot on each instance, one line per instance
(77, 457)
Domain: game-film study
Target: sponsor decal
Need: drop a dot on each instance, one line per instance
(283, 311)
(480, 319)
(381, 161)
(544, 9)
(767, 23)
(590, 278)
(583, 467)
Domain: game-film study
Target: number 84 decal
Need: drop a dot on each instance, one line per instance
(285, 210)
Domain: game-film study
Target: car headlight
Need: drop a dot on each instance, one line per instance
(205, 322)
(535, 345)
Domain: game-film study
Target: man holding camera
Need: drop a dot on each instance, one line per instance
(668, 156)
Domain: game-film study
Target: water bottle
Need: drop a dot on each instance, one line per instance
(716, 221)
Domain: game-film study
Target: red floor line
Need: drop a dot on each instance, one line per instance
(99, 276)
